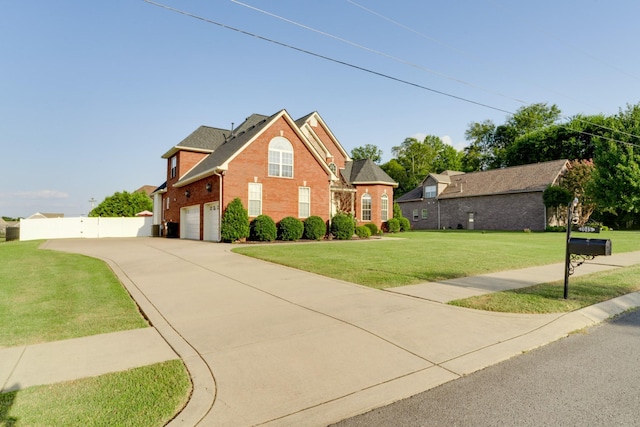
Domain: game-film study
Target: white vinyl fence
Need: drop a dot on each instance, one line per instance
(91, 228)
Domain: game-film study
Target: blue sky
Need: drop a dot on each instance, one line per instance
(92, 93)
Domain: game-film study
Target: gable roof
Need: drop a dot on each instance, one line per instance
(219, 159)
(516, 179)
(365, 171)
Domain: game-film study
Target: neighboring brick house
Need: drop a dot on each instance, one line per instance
(277, 166)
(498, 199)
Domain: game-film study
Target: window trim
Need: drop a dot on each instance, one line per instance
(368, 197)
(280, 153)
(306, 203)
(384, 208)
(424, 214)
(173, 166)
(256, 186)
(415, 214)
(430, 191)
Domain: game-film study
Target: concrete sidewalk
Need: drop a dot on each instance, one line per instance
(266, 344)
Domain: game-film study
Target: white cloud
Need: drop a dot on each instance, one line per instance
(457, 145)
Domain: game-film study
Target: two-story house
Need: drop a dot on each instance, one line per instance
(277, 166)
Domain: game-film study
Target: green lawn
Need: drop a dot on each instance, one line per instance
(48, 296)
(147, 396)
(422, 256)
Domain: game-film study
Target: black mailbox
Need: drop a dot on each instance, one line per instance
(593, 247)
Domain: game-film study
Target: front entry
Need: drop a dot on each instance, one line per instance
(211, 226)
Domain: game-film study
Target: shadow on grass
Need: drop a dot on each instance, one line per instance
(6, 402)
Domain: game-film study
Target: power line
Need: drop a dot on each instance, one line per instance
(377, 52)
(210, 21)
(327, 58)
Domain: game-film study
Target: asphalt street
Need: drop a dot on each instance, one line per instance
(590, 378)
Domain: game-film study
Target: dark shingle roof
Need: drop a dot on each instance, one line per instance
(516, 179)
(365, 171)
(205, 138)
(247, 130)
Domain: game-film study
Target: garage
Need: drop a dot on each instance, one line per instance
(190, 222)
(211, 225)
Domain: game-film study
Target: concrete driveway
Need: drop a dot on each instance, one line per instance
(267, 344)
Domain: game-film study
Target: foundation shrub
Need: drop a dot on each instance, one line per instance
(290, 229)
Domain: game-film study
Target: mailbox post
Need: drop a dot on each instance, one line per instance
(580, 250)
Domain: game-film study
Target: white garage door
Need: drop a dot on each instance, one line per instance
(211, 225)
(190, 219)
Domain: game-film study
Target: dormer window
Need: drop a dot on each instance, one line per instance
(430, 191)
(280, 157)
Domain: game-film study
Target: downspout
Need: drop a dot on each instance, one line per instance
(219, 175)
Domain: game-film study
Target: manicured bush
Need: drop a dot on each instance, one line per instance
(372, 228)
(290, 228)
(235, 222)
(363, 232)
(314, 228)
(393, 225)
(397, 212)
(263, 229)
(555, 228)
(405, 224)
(342, 226)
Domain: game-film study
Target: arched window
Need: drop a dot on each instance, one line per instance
(280, 157)
(366, 207)
(333, 168)
(384, 207)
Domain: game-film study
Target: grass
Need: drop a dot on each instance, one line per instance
(49, 296)
(147, 396)
(548, 297)
(423, 256)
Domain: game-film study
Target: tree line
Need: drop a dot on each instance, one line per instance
(606, 148)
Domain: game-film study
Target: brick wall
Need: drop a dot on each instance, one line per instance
(497, 212)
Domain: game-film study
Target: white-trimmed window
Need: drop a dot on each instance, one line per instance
(425, 214)
(333, 168)
(415, 214)
(174, 166)
(280, 157)
(304, 202)
(366, 207)
(384, 206)
(255, 199)
(430, 191)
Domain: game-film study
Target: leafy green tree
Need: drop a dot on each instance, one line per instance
(368, 151)
(235, 222)
(577, 180)
(490, 143)
(397, 172)
(616, 179)
(123, 204)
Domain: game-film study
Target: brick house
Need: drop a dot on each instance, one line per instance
(277, 166)
(499, 199)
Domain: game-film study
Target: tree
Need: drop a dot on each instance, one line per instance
(397, 172)
(123, 204)
(369, 151)
(490, 143)
(577, 181)
(556, 197)
(616, 179)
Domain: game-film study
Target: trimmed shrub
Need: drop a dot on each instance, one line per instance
(393, 225)
(405, 224)
(363, 232)
(342, 226)
(372, 228)
(235, 222)
(397, 212)
(263, 229)
(290, 228)
(314, 228)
